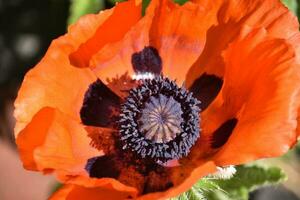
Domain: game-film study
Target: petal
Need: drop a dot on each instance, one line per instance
(261, 90)
(47, 85)
(108, 184)
(110, 170)
(54, 142)
(120, 20)
(147, 61)
(62, 192)
(115, 58)
(295, 41)
(100, 106)
(206, 88)
(77, 192)
(54, 82)
(194, 175)
(232, 16)
(179, 32)
(176, 32)
(71, 192)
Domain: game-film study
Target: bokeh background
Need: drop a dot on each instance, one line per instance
(26, 29)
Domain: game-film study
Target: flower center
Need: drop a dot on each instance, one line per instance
(159, 120)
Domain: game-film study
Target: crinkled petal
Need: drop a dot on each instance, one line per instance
(54, 82)
(121, 19)
(260, 93)
(179, 33)
(232, 16)
(115, 59)
(196, 173)
(176, 32)
(70, 191)
(54, 142)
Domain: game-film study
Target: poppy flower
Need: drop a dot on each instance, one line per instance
(131, 106)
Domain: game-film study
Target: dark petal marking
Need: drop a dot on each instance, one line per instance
(157, 182)
(147, 60)
(124, 166)
(221, 135)
(103, 166)
(206, 88)
(100, 105)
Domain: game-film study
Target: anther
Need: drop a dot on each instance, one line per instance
(159, 120)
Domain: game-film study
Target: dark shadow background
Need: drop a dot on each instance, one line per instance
(27, 27)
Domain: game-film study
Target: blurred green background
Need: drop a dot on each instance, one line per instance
(26, 29)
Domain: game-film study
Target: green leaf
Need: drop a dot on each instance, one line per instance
(79, 8)
(115, 1)
(180, 2)
(246, 179)
(250, 177)
(201, 190)
(145, 4)
(217, 195)
(56, 186)
(297, 148)
(291, 4)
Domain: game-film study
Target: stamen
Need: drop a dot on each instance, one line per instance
(159, 120)
(143, 76)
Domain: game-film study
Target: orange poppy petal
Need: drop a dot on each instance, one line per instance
(62, 192)
(198, 172)
(232, 16)
(71, 192)
(104, 183)
(295, 41)
(78, 192)
(54, 142)
(176, 32)
(298, 125)
(121, 19)
(102, 141)
(114, 59)
(47, 85)
(259, 99)
(54, 82)
(179, 33)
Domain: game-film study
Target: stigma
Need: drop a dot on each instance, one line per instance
(159, 120)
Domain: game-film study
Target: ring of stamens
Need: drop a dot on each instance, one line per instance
(159, 120)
